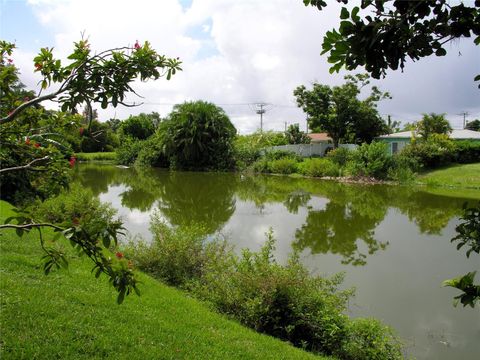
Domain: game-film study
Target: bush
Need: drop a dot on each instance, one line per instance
(76, 205)
(340, 156)
(282, 166)
(128, 151)
(318, 167)
(467, 151)
(437, 151)
(403, 168)
(151, 153)
(370, 160)
(369, 339)
(177, 256)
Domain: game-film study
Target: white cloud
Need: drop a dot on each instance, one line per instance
(247, 51)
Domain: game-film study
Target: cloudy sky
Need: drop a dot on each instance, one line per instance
(235, 54)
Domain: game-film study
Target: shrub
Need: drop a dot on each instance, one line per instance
(177, 256)
(437, 151)
(318, 167)
(467, 151)
(128, 151)
(369, 339)
(152, 153)
(403, 168)
(76, 205)
(282, 166)
(340, 156)
(370, 160)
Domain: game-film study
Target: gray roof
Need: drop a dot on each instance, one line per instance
(455, 134)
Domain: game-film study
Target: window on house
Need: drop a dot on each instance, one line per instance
(394, 147)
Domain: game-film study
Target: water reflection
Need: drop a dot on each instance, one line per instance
(345, 225)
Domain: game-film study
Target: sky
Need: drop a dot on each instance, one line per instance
(235, 54)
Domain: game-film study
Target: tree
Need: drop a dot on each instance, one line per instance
(139, 127)
(473, 125)
(198, 135)
(396, 30)
(433, 124)
(338, 111)
(295, 136)
(105, 78)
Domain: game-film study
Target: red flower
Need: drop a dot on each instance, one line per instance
(27, 141)
(10, 61)
(72, 161)
(81, 130)
(119, 255)
(38, 66)
(137, 45)
(75, 221)
(37, 145)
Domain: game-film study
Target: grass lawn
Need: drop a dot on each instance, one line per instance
(97, 156)
(461, 176)
(72, 315)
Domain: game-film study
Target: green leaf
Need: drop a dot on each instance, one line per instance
(441, 52)
(344, 14)
(19, 232)
(121, 296)
(355, 11)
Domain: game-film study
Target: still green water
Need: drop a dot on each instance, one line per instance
(392, 242)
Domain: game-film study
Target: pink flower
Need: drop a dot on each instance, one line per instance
(10, 61)
(38, 66)
(27, 141)
(137, 45)
(72, 161)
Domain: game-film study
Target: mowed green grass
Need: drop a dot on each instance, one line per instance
(71, 315)
(460, 176)
(97, 156)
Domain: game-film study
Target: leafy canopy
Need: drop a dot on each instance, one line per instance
(394, 31)
(338, 111)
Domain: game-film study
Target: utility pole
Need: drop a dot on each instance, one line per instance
(465, 114)
(260, 109)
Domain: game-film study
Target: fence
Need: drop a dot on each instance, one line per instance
(307, 150)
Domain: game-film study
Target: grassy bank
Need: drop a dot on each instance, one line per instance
(71, 315)
(458, 176)
(97, 156)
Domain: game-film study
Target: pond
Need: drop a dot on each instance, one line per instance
(393, 242)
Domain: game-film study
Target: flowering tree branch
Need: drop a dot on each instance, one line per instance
(28, 166)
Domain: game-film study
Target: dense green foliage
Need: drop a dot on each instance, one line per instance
(295, 136)
(139, 127)
(199, 135)
(338, 111)
(281, 300)
(394, 31)
(248, 148)
(68, 316)
(371, 160)
(473, 125)
(319, 167)
(433, 124)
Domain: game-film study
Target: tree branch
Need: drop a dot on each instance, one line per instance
(30, 226)
(27, 104)
(25, 167)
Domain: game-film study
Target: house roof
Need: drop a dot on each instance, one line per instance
(319, 137)
(455, 134)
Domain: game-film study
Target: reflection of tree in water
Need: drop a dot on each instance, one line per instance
(96, 177)
(336, 230)
(198, 198)
(295, 200)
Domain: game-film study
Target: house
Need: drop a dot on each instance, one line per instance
(398, 141)
(318, 138)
